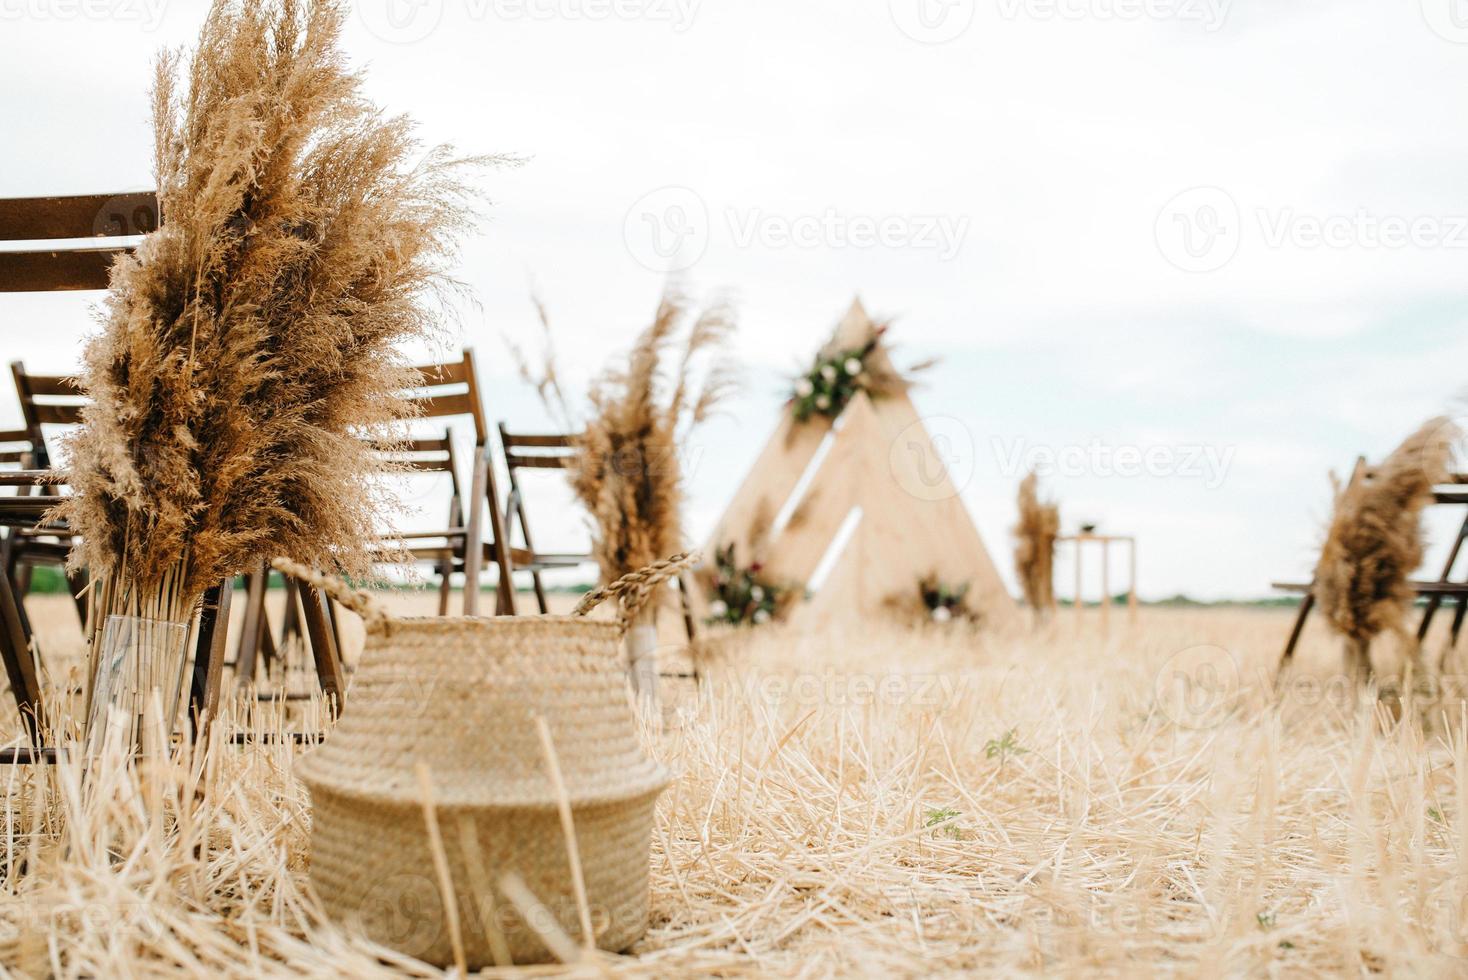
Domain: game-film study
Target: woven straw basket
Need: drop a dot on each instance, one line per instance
(462, 695)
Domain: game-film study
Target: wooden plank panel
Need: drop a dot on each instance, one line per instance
(58, 414)
(441, 406)
(46, 272)
(517, 462)
(438, 375)
(511, 440)
(53, 385)
(80, 216)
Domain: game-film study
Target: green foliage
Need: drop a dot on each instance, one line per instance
(830, 384)
(743, 595)
(48, 579)
(941, 815)
(1005, 746)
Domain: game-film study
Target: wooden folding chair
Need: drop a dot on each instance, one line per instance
(556, 451)
(46, 401)
(46, 220)
(302, 622)
(446, 391)
(1435, 592)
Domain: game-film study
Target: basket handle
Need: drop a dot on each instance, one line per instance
(636, 588)
(360, 601)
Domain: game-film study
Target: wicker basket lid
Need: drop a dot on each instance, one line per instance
(462, 695)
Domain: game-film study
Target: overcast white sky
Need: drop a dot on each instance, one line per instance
(1232, 236)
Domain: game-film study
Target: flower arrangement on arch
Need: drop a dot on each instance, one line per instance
(943, 601)
(743, 596)
(836, 376)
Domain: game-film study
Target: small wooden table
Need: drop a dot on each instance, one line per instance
(1106, 541)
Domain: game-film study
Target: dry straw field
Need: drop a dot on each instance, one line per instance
(1056, 802)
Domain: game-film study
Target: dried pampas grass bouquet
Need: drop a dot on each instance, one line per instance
(1034, 547)
(250, 341)
(641, 412)
(1374, 543)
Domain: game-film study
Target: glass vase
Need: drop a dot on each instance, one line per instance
(141, 661)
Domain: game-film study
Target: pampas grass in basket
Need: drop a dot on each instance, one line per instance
(250, 340)
(641, 412)
(1374, 543)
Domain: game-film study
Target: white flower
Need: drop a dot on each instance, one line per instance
(823, 402)
(803, 388)
(718, 608)
(853, 366)
(761, 616)
(756, 593)
(828, 371)
(942, 615)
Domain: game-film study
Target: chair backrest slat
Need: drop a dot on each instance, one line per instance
(443, 406)
(54, 272)
(511, 440)
(450, 389)
(515, 461)
(48, 414)
(549, 450)
(48, 219)
(46, 399)
(34, 219)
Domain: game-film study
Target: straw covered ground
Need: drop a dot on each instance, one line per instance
(895, 803)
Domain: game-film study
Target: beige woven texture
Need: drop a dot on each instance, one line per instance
(462, 695)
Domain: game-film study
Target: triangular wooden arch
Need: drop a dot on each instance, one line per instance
(881, 485)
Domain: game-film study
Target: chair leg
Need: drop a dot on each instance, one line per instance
(325, 652)
(513, 510)
(1458, 618)
(209, 656)
(249, 645)
(336, 629)
(1307, 604)
(20, 667)
(688, 624)
(76, 584)
(445, 585)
